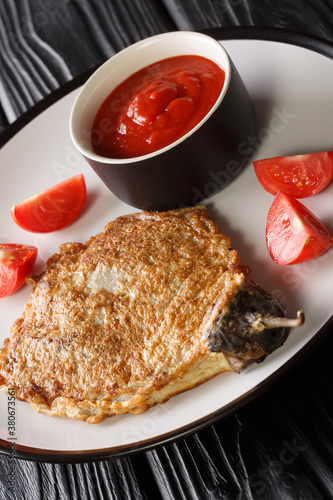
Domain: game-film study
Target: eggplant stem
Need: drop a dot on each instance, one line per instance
(283, 322)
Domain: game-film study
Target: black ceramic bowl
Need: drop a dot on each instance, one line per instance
(190, 169)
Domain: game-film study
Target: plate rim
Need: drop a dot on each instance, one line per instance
(317, 45)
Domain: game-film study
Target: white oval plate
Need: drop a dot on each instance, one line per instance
(291, 87)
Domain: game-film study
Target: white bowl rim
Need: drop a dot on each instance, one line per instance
(73, 121)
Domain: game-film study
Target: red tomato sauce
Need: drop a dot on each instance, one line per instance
(156, 106)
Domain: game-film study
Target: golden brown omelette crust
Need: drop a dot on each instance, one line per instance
(117, 325)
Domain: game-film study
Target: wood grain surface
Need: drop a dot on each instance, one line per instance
(279, 446)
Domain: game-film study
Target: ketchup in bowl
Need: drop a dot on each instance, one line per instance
(156, 106)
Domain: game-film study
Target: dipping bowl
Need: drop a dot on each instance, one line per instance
(189, 170)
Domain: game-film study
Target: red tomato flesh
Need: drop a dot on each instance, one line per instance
(52, 209)
(298, 176)
(293, 233)
(16, 262)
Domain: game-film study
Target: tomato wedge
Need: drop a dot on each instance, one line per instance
(293, 233)
(298, 176)
(52, 209)
(16, 262)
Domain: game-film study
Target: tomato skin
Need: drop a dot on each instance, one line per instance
(293, 233)
(299, 176)
(52, 209)
(16, 262)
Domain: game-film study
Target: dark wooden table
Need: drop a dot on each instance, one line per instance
(280, 445)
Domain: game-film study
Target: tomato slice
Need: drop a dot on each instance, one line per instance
(52, 209)
(299, 176)
(16, 262)
(293, 233)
